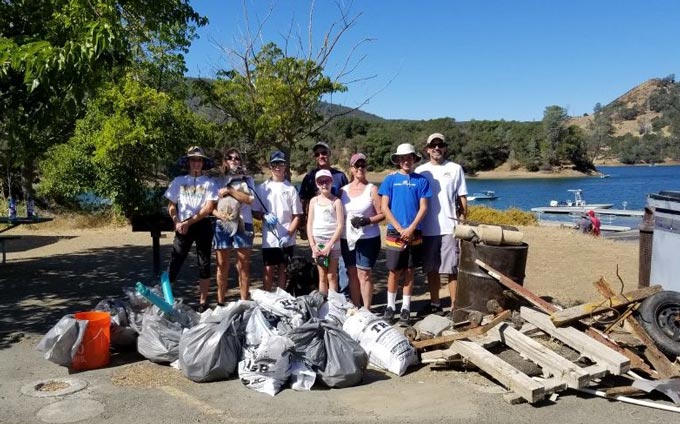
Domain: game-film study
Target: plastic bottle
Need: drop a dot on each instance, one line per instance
(30, 208)
(12, 213)
(322, 260)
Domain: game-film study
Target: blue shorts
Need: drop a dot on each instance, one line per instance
(365, 253)
(240, 240)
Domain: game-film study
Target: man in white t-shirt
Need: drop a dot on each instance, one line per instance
(440, 248)
(191, 199)
(278, 206)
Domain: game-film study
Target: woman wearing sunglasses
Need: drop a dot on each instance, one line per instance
(234, 224)
(360, 241)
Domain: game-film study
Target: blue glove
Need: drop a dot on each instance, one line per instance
(271, 219)
(283, 241)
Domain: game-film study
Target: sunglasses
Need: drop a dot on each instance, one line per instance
(324, 182)
(232, 157)
(438, 146)
(360, 165)
(320, 153)
(278, 164)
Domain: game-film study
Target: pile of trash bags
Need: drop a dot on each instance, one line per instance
(273, 341)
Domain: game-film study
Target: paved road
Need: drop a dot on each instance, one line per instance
(422, 396)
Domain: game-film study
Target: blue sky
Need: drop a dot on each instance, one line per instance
(469, 59)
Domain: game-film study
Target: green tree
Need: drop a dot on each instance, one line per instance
(123, 147)
(55, 53)
(554, 118)
(599, 134)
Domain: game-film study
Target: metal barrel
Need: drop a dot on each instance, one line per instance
(476, 287)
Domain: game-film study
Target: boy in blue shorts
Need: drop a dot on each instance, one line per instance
(404, 202)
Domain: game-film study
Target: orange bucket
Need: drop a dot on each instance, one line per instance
(94, 350)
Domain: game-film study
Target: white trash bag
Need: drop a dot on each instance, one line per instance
(61, 343)
(386, 347)
(266, 368)
(280, 303)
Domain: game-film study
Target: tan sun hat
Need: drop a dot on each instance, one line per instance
(405, 149)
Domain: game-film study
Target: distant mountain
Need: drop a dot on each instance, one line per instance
(330, 109)
(326, 109)
(636, 111)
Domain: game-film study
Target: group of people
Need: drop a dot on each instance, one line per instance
(340, 217)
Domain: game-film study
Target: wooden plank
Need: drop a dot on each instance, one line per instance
(624, 391)
(655, 357)
(566, 316)
(629, 310)
(636, 362)
(551, 385)
(613, 361)
(503, 372)
(521, 291)
(439, 356)
(463, 334)
(550, 361)
(596, 371)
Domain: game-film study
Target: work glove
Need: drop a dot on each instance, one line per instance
(360, 221)
(271, 219)
(283, 241)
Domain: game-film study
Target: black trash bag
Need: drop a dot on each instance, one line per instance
(346, 360)
(61, 343)
(159, 340)
(210, 350)
(308, 343)
(121, 333)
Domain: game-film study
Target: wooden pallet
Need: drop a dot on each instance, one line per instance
(560, 372)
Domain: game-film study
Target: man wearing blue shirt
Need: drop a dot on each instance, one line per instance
(405, 197)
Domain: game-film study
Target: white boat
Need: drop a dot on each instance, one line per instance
(483, 195)
(579, 204)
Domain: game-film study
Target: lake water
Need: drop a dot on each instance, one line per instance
(631, 184)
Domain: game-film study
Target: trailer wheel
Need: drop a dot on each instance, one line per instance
(659, 314)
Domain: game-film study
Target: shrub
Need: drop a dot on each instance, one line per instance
(512, 216)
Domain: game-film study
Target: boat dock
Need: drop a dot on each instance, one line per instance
(598, 211)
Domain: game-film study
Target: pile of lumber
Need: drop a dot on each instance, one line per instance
(600, 356)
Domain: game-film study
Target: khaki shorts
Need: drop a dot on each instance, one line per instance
(440, 253)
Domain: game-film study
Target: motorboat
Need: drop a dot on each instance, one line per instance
(483, 195)
(579, 204)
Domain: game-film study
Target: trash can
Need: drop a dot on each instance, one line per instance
(665, 267)
(475, 286)
(94, 350)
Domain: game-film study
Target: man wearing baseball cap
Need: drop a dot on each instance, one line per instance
(440, 249)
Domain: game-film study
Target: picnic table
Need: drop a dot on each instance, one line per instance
(13, 223)
(154, 224)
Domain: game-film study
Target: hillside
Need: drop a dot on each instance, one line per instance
(630, 113)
